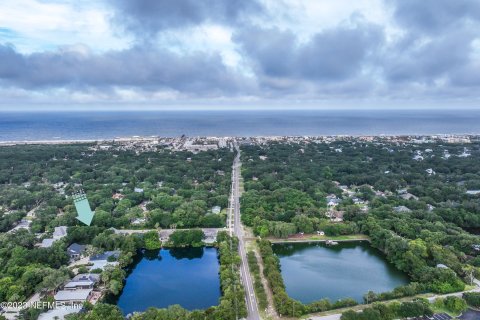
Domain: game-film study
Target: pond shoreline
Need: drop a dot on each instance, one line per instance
(306, 239)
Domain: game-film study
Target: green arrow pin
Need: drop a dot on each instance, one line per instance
(84, 213)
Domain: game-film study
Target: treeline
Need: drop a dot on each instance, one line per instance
(186, 238)
(391, 311)
(257, 280)
(418, 258)
(417, 308)
(285, 305)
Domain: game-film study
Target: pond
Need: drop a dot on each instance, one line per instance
(313, 271)
(160, 278)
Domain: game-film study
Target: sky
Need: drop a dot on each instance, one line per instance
(240, 53)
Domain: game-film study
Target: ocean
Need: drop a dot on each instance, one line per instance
(85, 125)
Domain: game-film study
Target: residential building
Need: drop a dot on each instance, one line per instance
(73, 296)
(59, 232)
(75, 250)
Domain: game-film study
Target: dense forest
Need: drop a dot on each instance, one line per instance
(415, 201)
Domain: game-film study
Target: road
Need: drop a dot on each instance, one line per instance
(236, 228)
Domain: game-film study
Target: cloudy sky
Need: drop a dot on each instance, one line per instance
(240, 53)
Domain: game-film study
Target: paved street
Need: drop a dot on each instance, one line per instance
(236, 227)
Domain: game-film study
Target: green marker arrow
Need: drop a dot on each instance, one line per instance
(84, 213)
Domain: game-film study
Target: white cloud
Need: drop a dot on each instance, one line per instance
(42, 25)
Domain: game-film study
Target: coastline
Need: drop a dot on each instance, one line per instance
(272, 137)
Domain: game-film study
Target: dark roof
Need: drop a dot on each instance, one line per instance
(75, 248)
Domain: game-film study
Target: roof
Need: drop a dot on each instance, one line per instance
(94, 277)
(75, 248)
(74, 284)
(60, 232)
(69, 295)
(473, 192)
(47, 243)
(105, 255)
(401, 209)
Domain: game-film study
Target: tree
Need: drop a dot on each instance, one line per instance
(187, 238)
(455, 304)
(151, 240)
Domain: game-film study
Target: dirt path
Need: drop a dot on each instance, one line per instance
(271, 312)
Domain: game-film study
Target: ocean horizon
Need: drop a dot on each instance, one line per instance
(98, 125)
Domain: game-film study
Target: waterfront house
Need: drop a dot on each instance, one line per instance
(108, 258)
(73, 296)
(82, 281)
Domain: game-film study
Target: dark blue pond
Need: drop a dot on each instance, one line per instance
(313, 271)
(160, 278)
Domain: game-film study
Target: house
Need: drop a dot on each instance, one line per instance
(357, 200)
(216, 210)
(75, 250)
(408, 196)
(23, 224)
(473, 192)
(94, 277)
(82, 281)
(138, 190)
(139, 221)
(401, 209)
(442, 266)
(118, 196)
(59, 232)
(335, 215)
(332, 200)
(108, 258)
(73, 296)
(47, 243)
(78, 285)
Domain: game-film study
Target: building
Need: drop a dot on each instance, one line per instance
(473, 192)
(47, 243)
(138, 190)
(75, 251)
(73, 296)
(108, 258)
(216, 210)
(401, 209)
(59, 232)
(82, 281)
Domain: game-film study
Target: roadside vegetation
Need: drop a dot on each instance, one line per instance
(257, 281)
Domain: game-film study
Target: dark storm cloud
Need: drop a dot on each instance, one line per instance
(332, 55)
(143, 68)
(147, 17)
(437, 45)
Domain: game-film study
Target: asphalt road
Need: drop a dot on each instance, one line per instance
(237, 229)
